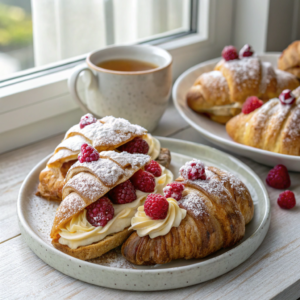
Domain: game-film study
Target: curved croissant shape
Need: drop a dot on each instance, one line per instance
(220, 93)
(217, 210)
(289, 59)
(272, 127)
(108, 133)
(86, 183)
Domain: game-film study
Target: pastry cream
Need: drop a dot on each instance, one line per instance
(154, 145)
(144, 225)
(223, 110)
(79, 232)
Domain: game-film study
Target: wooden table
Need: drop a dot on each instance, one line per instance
(273, 271)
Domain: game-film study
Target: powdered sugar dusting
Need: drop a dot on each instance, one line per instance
(194, 203)
(268, 73)
(73, 143)
(292, 131)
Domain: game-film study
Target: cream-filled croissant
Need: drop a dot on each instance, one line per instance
(275, 126)
(205, 210)
(220, 94)
(101, 195)
(108, 133)
(289, 59)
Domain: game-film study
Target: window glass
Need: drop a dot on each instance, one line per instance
(41, 32)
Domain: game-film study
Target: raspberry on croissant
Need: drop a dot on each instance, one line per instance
(217, 209)
(108, 133)
(273, 127)
(220, 94)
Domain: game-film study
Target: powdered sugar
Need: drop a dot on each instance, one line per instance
(193, 203)
(267, 75)
(73, 143)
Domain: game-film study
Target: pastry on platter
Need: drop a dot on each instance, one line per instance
(289, 59)
(273, 126)
(108, 133)
(206, 209)
(101, 195)
(220, 94)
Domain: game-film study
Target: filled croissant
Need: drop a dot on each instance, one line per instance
(101, 195)
(220, 94)
(108, 133)
(274, 126)
(204, 211)
(289, 59)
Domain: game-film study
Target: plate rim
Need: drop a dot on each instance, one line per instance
(212, 137)
(265, 222)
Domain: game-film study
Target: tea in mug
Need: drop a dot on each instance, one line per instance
(127, 65)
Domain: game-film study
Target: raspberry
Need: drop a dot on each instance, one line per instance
(286, 200)
(246, 51)
(123, 193)
(251, 104)
(88, 154)
(153, 168)
(279, 177)
(137, 145)
(174, 190)
(229, 53)
(156, 206)
(87, 120)
(193, 170)
(143, 181)
(287, 97)
(100, 212)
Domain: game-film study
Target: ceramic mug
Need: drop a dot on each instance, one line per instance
(140, 97)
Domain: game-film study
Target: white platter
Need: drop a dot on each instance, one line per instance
(215, 132)
(36, 216)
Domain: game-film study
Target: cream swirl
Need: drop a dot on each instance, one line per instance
(79, 232)
(154, 145)
(144, 225)
(223, 110)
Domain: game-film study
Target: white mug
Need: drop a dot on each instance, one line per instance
(140, 97)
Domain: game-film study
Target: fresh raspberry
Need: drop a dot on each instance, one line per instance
(87, 120)
(246, 51)
(156, 206)
(174, 190)
(143, 181)
(193, 170)
(287, 97)
(286, 200)
(279, 177)
(251, 104)
(100, 212)
(229, 53)
(153, 168)
(137, 145)
(88, 154)
(122, 193)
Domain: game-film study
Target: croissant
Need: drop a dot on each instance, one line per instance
(219, 94)
(74, 230)
(273, 127)
(289, 59)
(108, 133)
(217, 210)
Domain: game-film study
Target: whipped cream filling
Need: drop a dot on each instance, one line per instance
(223, 110)
(154, 145)
(79, 232)
(144, 225)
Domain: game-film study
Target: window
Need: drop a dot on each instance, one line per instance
(43, 33)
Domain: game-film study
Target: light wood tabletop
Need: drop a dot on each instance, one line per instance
(273, 271)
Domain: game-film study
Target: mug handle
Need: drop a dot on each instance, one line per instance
(72, 84)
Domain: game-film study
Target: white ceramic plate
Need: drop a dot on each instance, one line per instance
(216, 133)
(36, 216)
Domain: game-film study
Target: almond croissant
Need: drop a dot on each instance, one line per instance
(217, 210)
(221, 93)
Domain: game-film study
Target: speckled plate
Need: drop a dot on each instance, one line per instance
(36, 216)
(216, 133)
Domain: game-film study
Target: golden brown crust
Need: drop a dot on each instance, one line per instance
(216, 216)
(289, 59)
(96, 249)
(273, 127)
(218, 93)
(164, 157)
